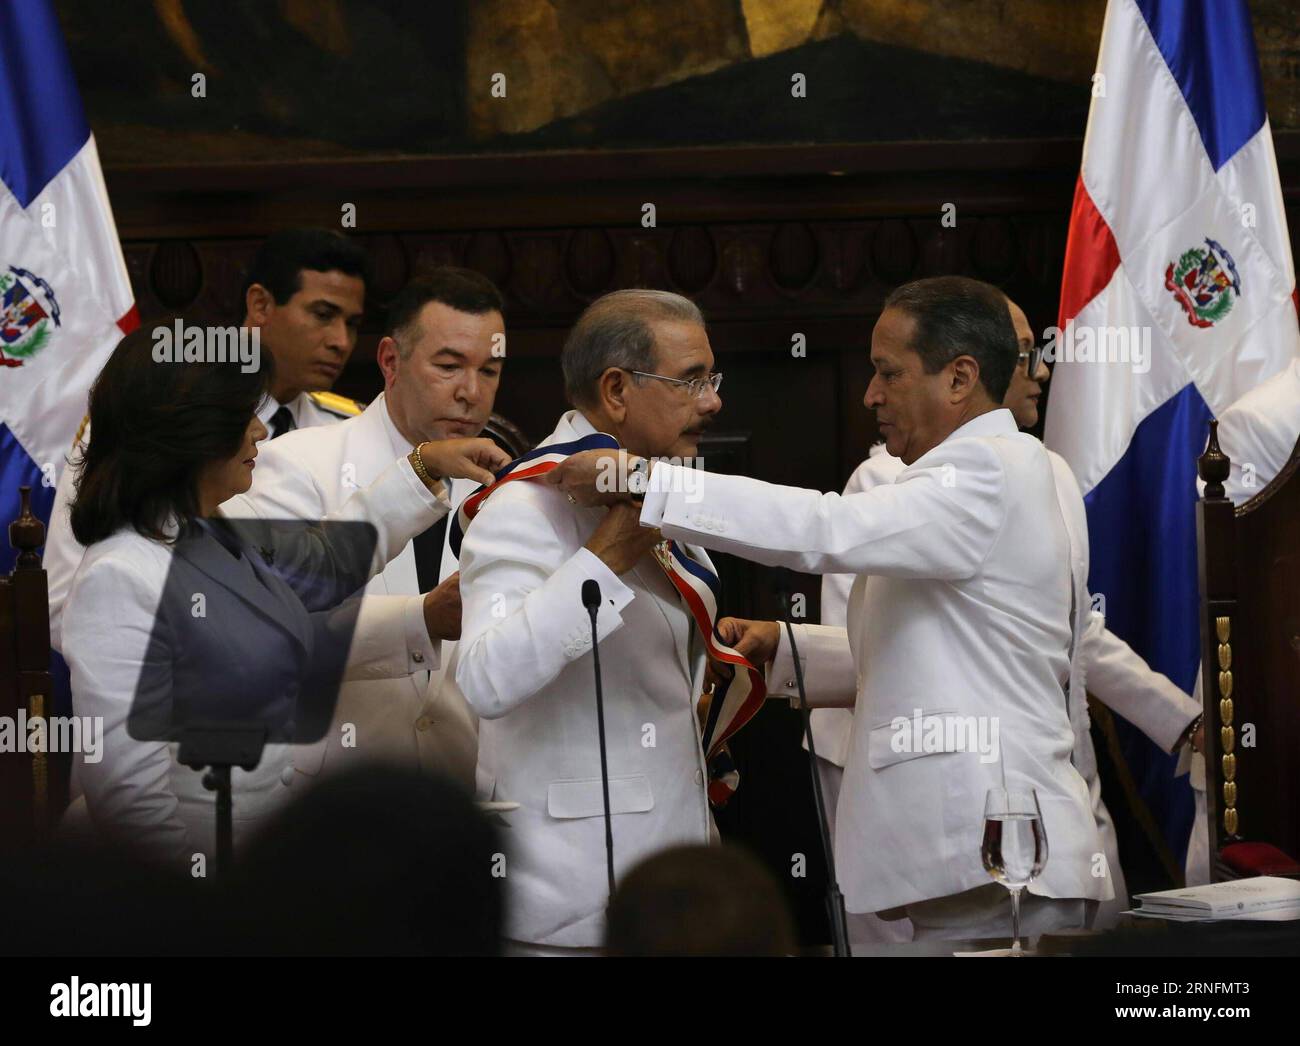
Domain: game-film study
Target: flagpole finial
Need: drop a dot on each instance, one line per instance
(1213, 466)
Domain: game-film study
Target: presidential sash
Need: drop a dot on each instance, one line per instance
(733, 701)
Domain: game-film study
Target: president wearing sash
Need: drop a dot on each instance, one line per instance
(961, 611)
(638, 368)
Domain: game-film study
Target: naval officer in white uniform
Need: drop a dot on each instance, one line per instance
(441, 360)
(304, 293)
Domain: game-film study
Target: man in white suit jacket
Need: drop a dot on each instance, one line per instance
(638, 364)
(441, 362)
(960, 614)
(1118, 678)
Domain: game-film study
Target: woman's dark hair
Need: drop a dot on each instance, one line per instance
(153, 427)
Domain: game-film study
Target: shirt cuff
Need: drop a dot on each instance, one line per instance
(656, 495)
(423, 654)
(614, 593)
(781, 680)
(433, 500)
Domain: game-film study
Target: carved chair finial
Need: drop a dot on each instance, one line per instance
(27, 532)
(1213, 465)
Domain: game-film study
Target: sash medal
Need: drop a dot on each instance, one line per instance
(733, 701)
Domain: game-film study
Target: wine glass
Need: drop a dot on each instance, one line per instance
(1015, 845)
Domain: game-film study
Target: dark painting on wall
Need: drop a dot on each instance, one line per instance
(196, 81)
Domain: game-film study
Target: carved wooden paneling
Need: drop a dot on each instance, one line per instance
(736, 271)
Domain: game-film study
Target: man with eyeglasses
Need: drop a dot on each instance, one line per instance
(961, 617)
(638, 367)
(1102, 663)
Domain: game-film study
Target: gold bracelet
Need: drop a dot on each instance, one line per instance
(417, 463)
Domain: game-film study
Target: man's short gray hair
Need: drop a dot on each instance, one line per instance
(615, 331)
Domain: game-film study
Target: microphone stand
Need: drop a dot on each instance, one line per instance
(834, 898)
(219, 747)
(591, 600)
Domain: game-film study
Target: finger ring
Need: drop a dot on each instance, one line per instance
(572, 499)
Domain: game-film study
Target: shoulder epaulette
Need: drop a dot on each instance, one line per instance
(336, 404)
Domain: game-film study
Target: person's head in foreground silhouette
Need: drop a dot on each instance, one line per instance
(701, 901)
(374, 862)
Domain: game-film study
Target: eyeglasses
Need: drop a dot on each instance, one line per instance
(695, 386)
(1035, 358)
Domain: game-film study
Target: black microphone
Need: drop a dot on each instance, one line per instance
(834, 898)
(591, 600)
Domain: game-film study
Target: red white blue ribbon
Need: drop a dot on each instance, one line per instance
(734, 701)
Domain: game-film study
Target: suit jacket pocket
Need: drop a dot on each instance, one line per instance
(925, 733)
(585, 798)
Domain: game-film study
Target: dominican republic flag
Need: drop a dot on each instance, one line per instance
(65, 299)
(1177, 236)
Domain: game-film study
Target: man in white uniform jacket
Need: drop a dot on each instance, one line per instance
(304, 293)
(1102, 663)
(441, 360)
(961, 608)
(638, 367)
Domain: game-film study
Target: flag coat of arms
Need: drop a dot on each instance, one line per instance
(1177, 233)
(65, 298)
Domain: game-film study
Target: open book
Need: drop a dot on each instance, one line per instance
(1263, 897)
